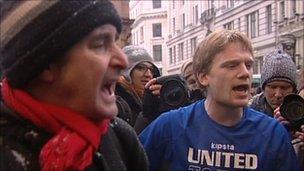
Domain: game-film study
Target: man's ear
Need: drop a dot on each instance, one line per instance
(48, 75)
(203, 79)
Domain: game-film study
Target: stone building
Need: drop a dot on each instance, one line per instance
(269, 24)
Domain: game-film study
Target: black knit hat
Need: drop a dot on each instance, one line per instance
(36, 33)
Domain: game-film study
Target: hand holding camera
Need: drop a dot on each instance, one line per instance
(153, 86)
(167, 92)
(151, 99)
(277, 115)
(291, 112)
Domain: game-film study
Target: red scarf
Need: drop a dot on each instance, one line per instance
(76, 138)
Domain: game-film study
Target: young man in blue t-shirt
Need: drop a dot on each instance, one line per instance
(220, 132)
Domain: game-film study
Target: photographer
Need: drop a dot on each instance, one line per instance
(278, 79)
(130, 86)
(164, 94)
(150, 106)
(177, 91)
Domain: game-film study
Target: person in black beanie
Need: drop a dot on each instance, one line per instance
(60, 64)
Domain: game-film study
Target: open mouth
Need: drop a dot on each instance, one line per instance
(241, 88)
(109, 87)
(107, 91)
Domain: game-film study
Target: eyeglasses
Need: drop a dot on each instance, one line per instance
(144, 68)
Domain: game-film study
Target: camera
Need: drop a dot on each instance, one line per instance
(292, 109)
(174, 93)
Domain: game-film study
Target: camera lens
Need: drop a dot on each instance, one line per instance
(294, 111)
(173, 93)
(293, 107)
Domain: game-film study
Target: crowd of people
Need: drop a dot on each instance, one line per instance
(72, 99)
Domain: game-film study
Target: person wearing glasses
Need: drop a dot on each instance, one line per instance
(131, 85)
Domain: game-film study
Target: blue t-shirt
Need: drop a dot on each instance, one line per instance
(188, 139)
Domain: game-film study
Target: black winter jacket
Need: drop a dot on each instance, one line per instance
(259, 103)
(21, 142)
(129, 104)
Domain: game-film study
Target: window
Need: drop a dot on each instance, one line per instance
(195, 14)
(174, 54)
(282, 10)
(157, 52)
(141, 34)
(269, 18)
(257, 65)
(230, 3)
(293, 8)
(180, 51)
(210, 4)
(229, 26)
(247, 25)
(173, 25)
(239, 24)
(193, 45)
(157, 30)
(183, 22)
(170, 55)
(173, 6)
(136, 35)
(156, 4)
(252, 24)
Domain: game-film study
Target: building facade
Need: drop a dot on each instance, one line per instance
(185, 31)
(149, 29)
(269, 24)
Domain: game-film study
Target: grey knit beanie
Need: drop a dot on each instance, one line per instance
(278, 66)
(135, 56)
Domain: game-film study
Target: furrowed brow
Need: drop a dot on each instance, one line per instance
(230, 62)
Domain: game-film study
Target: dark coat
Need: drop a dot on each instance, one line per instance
(124, 110)
(21, 142)
(259, 103)
(127, 101)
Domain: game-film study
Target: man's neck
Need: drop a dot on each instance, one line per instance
(223, 114)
